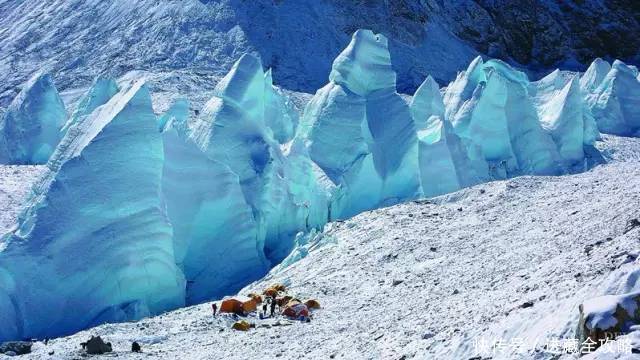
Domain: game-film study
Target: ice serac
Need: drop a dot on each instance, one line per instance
(615, 102)
(500, 118)
(96, 228)
(361, 132)
(444, 164)
(30, 128)
(559, 101)
(102, 90)
(263, 207)
(595, 74)
(427, 102)
(215, 234)
(310, 188)
(279, 114)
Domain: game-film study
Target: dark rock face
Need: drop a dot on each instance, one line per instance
(547, 33)
(16, 347)
(97, 346)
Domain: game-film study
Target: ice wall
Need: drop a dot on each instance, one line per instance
(360, 131)
(427, 102)
(30, 128)
(521, 127)
(615, 100)
(279, 114)
(444, 164)
(558, 99)
(101, 91)
(94, 244)
(595, 74)
(215, 233)
(236, 201)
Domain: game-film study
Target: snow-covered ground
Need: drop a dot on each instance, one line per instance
(508, 260)
(15, 184)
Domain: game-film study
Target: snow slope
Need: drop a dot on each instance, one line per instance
(507, 259)
(15, 186)
(80, 39)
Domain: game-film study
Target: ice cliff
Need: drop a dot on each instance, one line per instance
(94, 244)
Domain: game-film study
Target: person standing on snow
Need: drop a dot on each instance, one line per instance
(214, 307)
(273, 306)
(264, 306)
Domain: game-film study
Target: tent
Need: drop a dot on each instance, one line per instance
(312, 304)
(296, 310)
(240, 305)
(231, 305)
(241, 325)
(249, 305)
(256, 297)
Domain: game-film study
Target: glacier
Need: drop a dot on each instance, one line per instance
(235, 199)
(102, 90)
(30, 128)
(360, 131)
(215, 233)
(161, 211)
(95, 227)
(614, 99)
(444, 164)
(558, 101)
(427, 102)
(521, 127)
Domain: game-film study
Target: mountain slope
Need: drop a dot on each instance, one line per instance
(80, 39)
(508, 259)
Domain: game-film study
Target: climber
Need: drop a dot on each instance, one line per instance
(214, 307)
(273, 306)
(264, 306)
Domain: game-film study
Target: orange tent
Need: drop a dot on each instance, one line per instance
(270, 292)
(296, 310)
(312, 304)
(274, 289)
(232, 305)
(256, 297)
(249, 305)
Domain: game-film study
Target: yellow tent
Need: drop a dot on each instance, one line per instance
(241, 325)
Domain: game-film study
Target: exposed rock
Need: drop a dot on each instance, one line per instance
(16, 347)
(607, 317)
